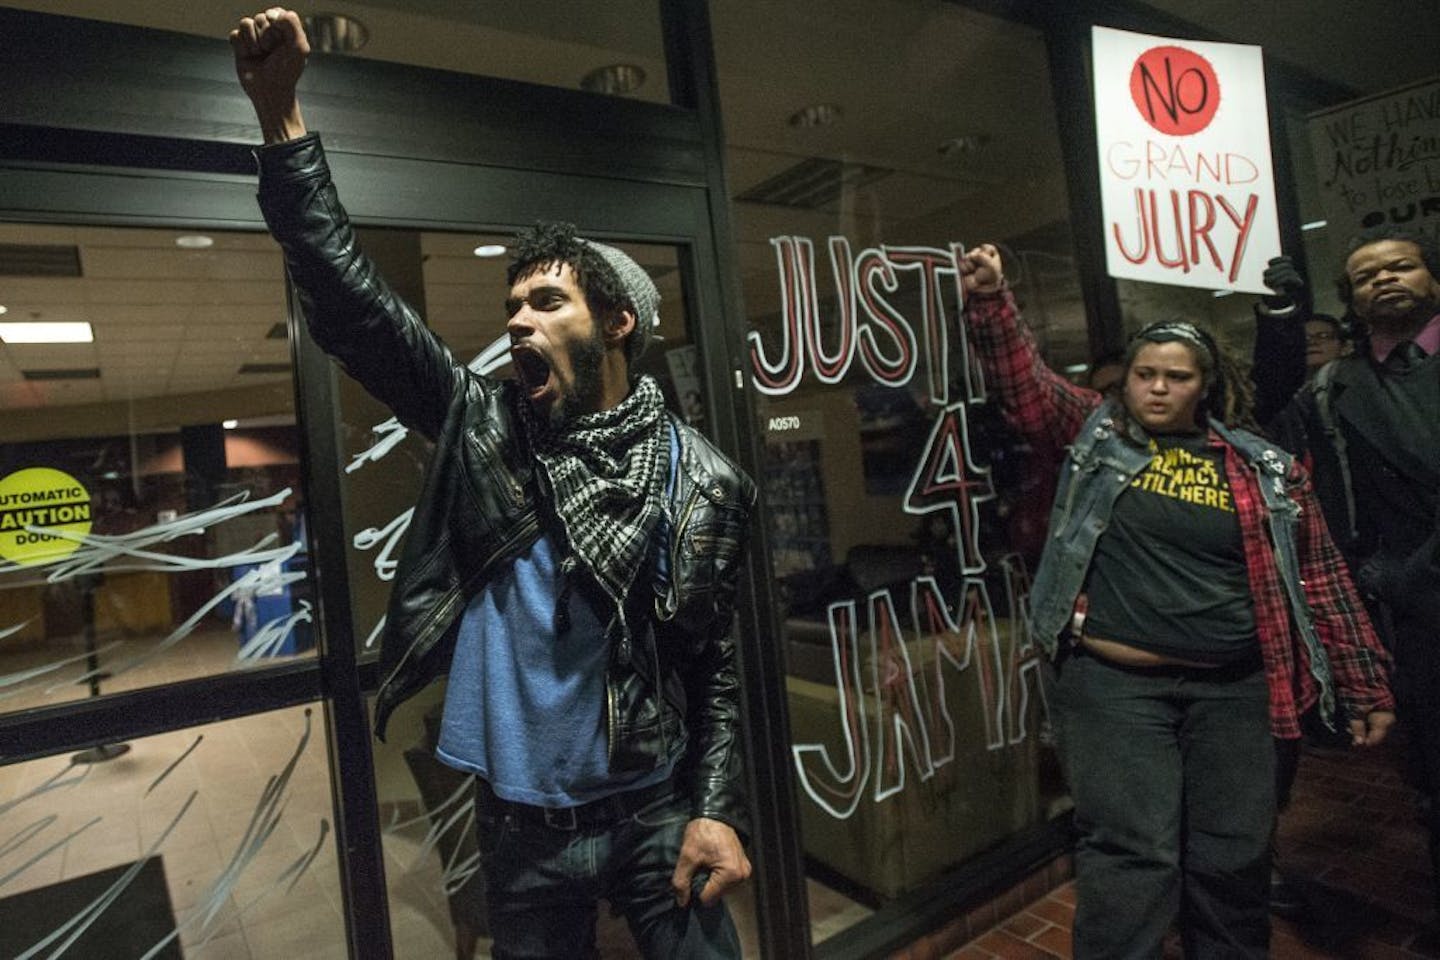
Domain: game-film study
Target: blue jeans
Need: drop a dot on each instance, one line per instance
(542, 884)
(1172, 771)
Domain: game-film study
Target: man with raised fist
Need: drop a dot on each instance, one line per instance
(571, 565)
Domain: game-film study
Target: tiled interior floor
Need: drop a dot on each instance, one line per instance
(191, 797)
(1350, 839)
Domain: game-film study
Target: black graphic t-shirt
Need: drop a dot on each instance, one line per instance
(1169, 571)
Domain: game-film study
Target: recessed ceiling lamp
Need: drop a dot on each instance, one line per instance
(490, 250)
(335, 33)
(816, 115)
(963, 145)
(230, 424)
(3, 309)
(194, 241)
(617, 79)
(18, 331)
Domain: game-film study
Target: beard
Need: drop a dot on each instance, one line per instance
(1396, 316)
(587, 357)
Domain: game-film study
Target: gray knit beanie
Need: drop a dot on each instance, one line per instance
(639, 290)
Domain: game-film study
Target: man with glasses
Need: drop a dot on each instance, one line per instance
(1324, 341)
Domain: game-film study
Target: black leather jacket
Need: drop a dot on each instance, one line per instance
(675, 675)
(1374, 444)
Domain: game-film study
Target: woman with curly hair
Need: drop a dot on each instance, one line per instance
(1191, 603)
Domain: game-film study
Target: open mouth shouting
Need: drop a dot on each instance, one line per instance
(532, 372)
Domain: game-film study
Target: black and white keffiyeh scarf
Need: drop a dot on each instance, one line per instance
(607, 472)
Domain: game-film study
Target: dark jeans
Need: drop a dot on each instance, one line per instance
(1172, 774)
(542, 884)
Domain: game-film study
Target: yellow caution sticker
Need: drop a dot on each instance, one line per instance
(36, 504)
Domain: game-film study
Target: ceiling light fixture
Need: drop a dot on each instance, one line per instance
(230, 424)
(617, 79)
(816, 115)
(18, 331)
(3, 309)
(194, 241)
(336, 33)
(1314, 224)
(490, 250)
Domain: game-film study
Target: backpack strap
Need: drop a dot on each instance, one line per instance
(1322, 387)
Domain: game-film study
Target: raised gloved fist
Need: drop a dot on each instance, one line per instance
(1282, 276)
(1374, 578)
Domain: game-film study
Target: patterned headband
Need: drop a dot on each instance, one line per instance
(1180, 330)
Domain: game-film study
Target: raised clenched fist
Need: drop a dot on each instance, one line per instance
(270, 51)
(981, 270)
(1282, 276)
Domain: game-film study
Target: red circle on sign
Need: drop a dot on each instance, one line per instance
(1175, 90)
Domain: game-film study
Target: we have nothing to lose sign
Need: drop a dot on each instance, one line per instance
(1187, 188)
(1377, 160)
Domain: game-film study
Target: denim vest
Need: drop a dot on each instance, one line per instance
(1099, 467)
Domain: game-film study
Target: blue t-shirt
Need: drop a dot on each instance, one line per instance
(525, 705)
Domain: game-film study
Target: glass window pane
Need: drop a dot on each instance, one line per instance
(150, 518)
(613, 48)
(902, 517)
(212, 841)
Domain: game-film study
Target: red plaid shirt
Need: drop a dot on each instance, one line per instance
(1049, 410)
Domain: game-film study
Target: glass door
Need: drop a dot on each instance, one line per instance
(187, 652)
(104, 647)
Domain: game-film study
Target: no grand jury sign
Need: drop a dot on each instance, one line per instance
(1186, 183)
(37, 504)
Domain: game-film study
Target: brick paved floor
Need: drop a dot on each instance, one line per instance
(1350, 838)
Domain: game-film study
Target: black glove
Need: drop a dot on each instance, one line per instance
(1374, 578)
(1282, 276)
